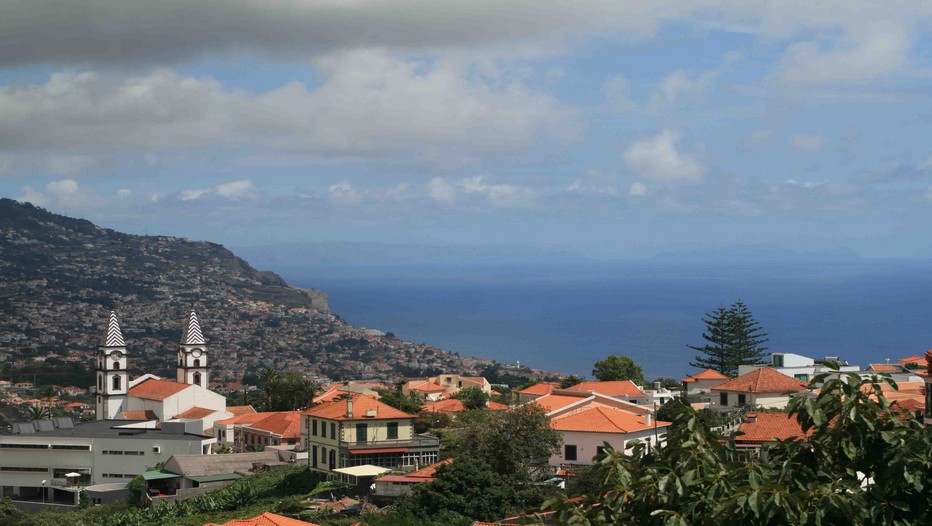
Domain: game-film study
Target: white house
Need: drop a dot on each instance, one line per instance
(586, 429)
(762, 388)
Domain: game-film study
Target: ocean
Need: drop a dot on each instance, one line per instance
(565, 317)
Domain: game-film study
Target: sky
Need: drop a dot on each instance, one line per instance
(607, 128)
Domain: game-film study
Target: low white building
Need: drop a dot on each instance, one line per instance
(586, 429)
(51, 460)
(797, 366)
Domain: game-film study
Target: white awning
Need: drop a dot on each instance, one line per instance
(366, 470)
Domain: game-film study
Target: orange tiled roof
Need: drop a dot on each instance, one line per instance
(244, 419)
(266, 519)
(362, 404)
(196, 413)
(599, 418)
(431, 470)
(762, 380)
(240, 409)
(616, 388)
(427, 387)
(901, 387)
(139, 415)
(541, 389)
(453, 405)
(286, 424)
(768, 427)
(909, 404)
(153, 389)
(884, 367)
(708, 374)
(912, 360)
(552, 402)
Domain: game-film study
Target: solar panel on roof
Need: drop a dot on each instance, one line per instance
(44, 425)
(24, 428)
(63, 422)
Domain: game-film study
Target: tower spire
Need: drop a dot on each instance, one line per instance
(113, 336)
(191, 335)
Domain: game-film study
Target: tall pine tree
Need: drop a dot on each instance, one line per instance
(733, 338)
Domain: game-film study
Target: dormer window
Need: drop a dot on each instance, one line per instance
(117, 383)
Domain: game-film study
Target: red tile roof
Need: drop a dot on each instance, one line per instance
(240, 409)
(552, 402)
(427, 387)
(245, 419)
(767, 427)
(362, 404)
(598, 418)
(454, 405)
(196, 413)
(708, 374)
(266, 519)
(884, 367)
(431, 470)
(139, 415)
(286, 424)
(617, 388)
(912, 360)
(762, 380)
(153, 389)
(541, 389)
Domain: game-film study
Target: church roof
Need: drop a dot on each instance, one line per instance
(192, 332)
(196, 413)
(157, 389)
(113, 337)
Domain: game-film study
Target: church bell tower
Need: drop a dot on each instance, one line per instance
(192, 355)
(112, 378)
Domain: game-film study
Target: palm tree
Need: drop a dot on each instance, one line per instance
(302, 393)
(49, 392)
(268, 377)
(37, 412)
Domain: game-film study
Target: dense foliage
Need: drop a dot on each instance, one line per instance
(287, 391)
(733, 338)
(862, 464)
(615, 367)
(472, 397)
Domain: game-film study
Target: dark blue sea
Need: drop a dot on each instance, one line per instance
(564, 318)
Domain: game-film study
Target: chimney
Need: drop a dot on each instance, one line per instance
(648, 418)
(750, 418)
(657, 386)
(349, 407)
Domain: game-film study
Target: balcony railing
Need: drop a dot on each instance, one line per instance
(417, 441)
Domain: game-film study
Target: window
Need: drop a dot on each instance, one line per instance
(323, 455)
(65, 446)
(25, 469)
(100, 384)
(393, 430)
(197, 378)
(314, 457)
(362, 432)
(197, 362)
(313, 427)
(116, 365)
(569, 452)
(801, 377)
(599, 450)
(333, 430)
(723, 399)
(742, 399)
(333, 459)
(778, 360)
(117, 382)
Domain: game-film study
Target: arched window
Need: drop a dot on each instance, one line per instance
(197, 362)
(116, 383)
(100, 383)
(197, 378)
(116, 365)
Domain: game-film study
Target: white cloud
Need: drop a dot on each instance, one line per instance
(656, 158)
(193, 195)
(369, 103)
(441, 191)
(497, 194)
(344, 193)
(65, 194)
(617, 92)
(637, 189)
(677, 86)
(237, 190)
(806, 143)
(123, 193)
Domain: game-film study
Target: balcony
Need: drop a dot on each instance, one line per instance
(415, 442)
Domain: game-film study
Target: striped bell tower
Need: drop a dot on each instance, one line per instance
(112, 378)
(192, 355)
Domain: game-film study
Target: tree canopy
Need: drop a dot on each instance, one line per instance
(618, 367)
(472, 397)
(733, 338)
(863, 463)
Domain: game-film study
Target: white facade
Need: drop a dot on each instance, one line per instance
(112, 379)
(580, 447)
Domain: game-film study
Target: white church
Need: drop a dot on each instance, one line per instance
(149, 397)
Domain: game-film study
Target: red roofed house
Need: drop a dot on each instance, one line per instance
(393, 486)
(762, 388)
(450, 383)
(565, 399)
(758, 429)
(587, 427)
(536, 391)
(913, 362)
(886, 368)
(623, 390)
(361, 430)
(700, 383)
(277, 429)
(428, 390)
(266, 519)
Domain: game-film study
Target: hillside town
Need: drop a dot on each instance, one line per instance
(371, 441)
